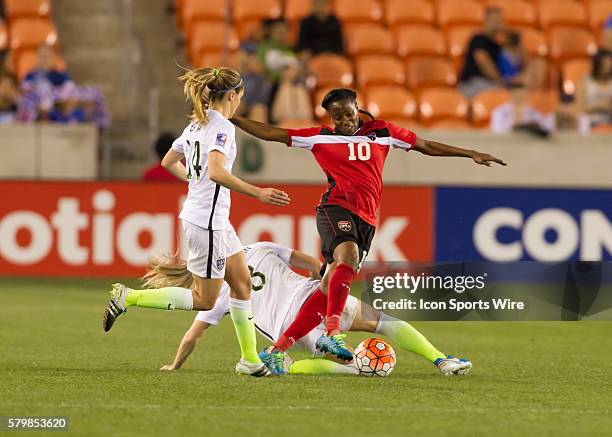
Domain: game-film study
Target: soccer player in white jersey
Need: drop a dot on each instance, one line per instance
(277, 296)
(208, 146)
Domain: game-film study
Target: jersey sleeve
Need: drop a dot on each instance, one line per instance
(221, 308)
(283, 252)
(222, 137)
(401, 138)
(303, 138)
(177, 145)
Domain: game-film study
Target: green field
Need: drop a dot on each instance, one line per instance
(528, 379)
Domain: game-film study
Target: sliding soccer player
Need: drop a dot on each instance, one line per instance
(277, 295)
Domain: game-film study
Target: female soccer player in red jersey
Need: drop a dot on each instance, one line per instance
(352, 156)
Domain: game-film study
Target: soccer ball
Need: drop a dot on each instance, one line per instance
(374, 357)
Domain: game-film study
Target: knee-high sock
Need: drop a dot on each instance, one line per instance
(169, 298)
(242, 317)
(309, 317)
(337, 293)
(319, 366)
(407, 337)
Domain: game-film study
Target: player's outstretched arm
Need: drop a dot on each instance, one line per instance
(434, 148)
(188, 343)
(301, 260)
(219, 175)
(261, 130)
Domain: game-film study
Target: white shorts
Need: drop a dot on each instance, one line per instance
(208, 250)
(307, 343)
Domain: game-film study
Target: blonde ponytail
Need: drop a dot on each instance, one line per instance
(167, 271)
(202, 86)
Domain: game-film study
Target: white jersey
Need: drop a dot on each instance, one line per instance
(277, 296)
(208, 203)
(276, 290)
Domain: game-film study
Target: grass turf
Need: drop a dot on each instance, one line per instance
(529, 378)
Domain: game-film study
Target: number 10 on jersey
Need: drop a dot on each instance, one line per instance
(363, 151)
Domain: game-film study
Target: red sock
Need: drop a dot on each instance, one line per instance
(337, 293)
(310, 315)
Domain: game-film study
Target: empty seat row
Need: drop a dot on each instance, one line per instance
(545, 13)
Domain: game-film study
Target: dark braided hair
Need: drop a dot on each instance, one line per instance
(341, 95)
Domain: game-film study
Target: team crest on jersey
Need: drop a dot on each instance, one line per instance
(220, 263)
(221, 139)
(371, 136)
(344, 225)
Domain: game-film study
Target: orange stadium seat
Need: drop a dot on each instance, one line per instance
(399, 12)
(295, 10)
(331, 70)
(419, 40)
(27, 61)
(211, 36)
(217, 59)
(379, 70)
(517, 12)
(29, 33)
(458, 39)
(363, 11)
(598, 11)
(484, 104)
(255, 10)
(561, 13)
(574, 73)
(567, 43)
(198, 10)
(3, 36)
(459, 13)
(427, 72)
(443, 107)
(26, 8)
(534, 41)
(391, 101)
(544, 101)
(369, 39)
(318, 98)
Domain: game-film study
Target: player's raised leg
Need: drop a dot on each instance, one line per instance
(408, 338)
(341, 274)
(238, 278)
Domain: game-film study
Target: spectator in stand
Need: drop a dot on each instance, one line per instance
(255, 102)
(594, 96)
(275, 53)
(9, 93)
(480, 71)
(45, 71)
(495, 58)
(320, 32)
(156, 173)
(68, 107)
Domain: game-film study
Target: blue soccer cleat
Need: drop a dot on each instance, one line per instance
(274, 361)
(335, 346)
(453, 366)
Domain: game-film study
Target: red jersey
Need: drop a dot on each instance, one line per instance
(353, 164)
